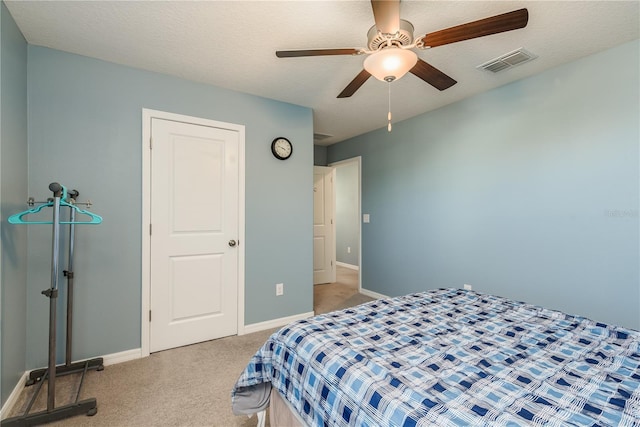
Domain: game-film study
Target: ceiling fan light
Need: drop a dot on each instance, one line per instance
(390, 64)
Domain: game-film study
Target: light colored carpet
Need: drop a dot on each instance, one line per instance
(186, 386)
(341, 294)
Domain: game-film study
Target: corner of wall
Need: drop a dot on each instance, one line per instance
(319, 155)
(13, 190)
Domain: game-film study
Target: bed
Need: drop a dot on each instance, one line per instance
(447, 357)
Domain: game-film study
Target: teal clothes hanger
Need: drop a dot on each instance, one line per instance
(17, 218)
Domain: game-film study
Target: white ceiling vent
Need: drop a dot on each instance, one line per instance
(508, 60)
(320, 136)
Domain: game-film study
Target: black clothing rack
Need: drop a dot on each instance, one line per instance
(87, 406)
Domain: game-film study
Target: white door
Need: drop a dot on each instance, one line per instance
(194, 232)
(324, 232)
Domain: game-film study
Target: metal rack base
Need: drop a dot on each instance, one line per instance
(92, 365)
(88, 407)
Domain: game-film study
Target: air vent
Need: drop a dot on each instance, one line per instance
(320, 136)
(508, 60)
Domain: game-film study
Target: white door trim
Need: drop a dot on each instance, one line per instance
(357, 160)
(147, 115)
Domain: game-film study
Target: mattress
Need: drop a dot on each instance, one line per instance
(449, 357)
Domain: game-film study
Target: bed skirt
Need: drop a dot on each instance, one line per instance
(281, 414)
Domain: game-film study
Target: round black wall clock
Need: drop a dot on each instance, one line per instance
(281, 148)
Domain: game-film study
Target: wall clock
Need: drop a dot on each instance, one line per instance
(281, 148)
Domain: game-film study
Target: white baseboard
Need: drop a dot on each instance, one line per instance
(372, 294)
(123, 356)
(345, 265)
(13, 397)
(275, 323)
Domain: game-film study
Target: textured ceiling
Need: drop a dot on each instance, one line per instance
(231, 44)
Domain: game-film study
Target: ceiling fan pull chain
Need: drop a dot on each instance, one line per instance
(389, 115)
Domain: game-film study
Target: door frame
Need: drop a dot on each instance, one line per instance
(147, 115)
(358, 161)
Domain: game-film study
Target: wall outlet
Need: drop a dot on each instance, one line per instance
(279, 289)
(348, 249)
(468, 287)
(366, 218)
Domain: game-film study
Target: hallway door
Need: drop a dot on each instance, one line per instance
(324, 231)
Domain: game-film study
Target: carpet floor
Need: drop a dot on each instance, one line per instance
(186, 386)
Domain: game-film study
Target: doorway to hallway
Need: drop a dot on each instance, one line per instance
(348, 283)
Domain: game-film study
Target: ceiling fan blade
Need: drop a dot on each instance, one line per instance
(387, 15)
(315, 52)
(484, 27)
(355, 84)
(432, 75)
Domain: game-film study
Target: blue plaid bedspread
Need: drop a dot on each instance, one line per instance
(451, 357)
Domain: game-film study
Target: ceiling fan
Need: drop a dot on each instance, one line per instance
(390, 44)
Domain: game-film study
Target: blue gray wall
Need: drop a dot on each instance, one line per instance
(13, 197)
(347, 216)
(319, 155)
(530, 191)
(85, 131)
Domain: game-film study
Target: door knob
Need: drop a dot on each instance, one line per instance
(232, 243)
